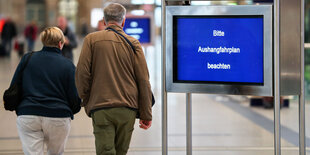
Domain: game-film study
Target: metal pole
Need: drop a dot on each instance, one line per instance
(145, 51)
(163, 86)
(188, 124)
(277, 125)
(302, 133)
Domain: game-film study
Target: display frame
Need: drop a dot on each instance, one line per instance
(264, 89)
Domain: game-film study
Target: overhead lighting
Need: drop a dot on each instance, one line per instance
(137, 12)
(138, 2)
(96, 15)
(201, 3)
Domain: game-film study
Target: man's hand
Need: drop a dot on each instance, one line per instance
(145, 124)
(67, 41)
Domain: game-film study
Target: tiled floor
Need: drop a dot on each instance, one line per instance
(222, 125)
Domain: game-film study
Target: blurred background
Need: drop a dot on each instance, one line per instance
(222, 124)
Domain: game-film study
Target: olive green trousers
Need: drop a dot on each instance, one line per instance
(113, 128)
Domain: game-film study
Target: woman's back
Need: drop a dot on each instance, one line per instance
(48, 85)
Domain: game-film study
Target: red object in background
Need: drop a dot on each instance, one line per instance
(2, 21)
(16, 45)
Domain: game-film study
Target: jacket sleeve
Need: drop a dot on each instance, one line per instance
(143, 83)
(14, 33)
(83, 72)
(72, 39)
(74, 100)
(18, 69)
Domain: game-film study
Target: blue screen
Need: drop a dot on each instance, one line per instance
(218, 49)
(138, 28)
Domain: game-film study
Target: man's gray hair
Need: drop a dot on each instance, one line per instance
(114, 12)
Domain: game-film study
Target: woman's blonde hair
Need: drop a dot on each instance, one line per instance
(51, 37)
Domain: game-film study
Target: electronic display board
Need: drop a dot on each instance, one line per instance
(139, 28)
(219, 49)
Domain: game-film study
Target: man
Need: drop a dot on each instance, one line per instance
(113, 82)
(100, 25)
(70, 39)
(8, 33)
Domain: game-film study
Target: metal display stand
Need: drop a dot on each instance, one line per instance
(188, 123)
(163, 86)
(302, 122)
(276, 87)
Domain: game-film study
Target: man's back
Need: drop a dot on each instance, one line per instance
(117, 73)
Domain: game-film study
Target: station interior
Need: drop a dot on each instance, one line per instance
(222, 124)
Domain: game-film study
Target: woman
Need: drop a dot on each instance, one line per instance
(50, 97)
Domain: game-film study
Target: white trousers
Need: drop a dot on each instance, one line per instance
(34, 131)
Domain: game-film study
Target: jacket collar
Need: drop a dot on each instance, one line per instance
(116, 27)
(51, 49)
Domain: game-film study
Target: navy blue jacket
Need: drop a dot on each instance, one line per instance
(48, 85)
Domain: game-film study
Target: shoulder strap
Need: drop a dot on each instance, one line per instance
(26, 62)
(19, 77)
(133, 48)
